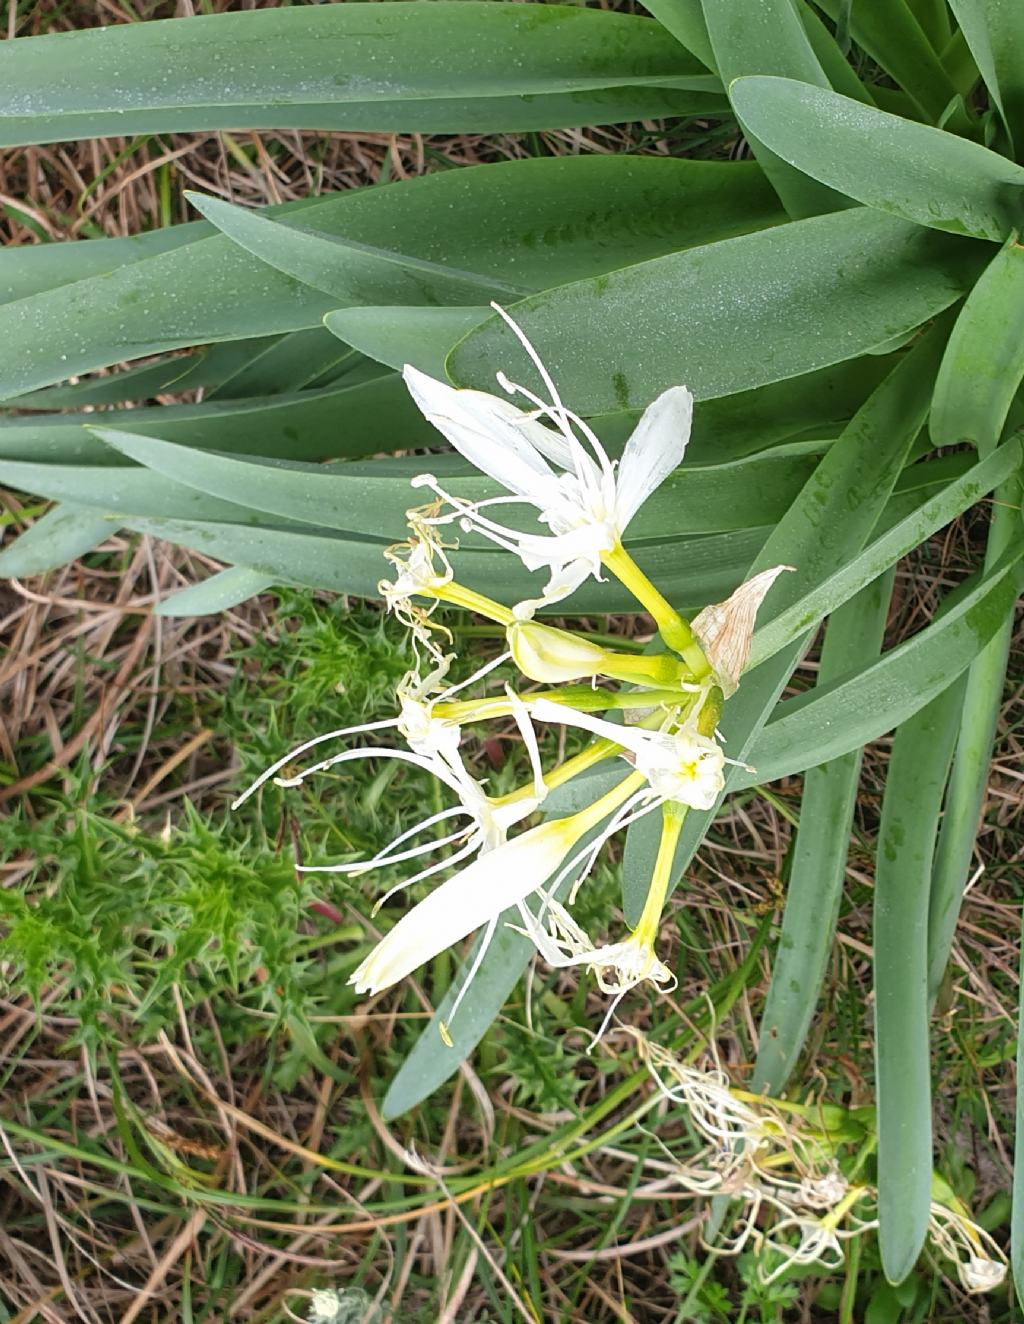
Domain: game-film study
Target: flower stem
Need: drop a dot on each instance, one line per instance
(671, 825)
(676, 632)
(459, 596)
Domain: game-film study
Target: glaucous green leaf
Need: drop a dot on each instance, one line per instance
(885, 550)
(853, 638)
(397, 336)
(767, 37)
(539, 222)
(994, 30)
(827, 524)
(831, 721)
(906, 840)
(395, 66)
(984, 361)
(914, 171)
(830, 288)
(65, 532)
(890, 34)
(218, 593)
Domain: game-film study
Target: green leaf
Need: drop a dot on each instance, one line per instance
(892, 36)
(704, 568)
(885, 551)
(827, 524)
(289, 364)
(339, 421)
(685, 20)
(767, 36)
(548, 220)
(995, 33)
(911, 170)
(62, 534)
(984, 361)
(830, 287)
(1017, 1215)
(968, 783)
(910, 810)
(373, 498)
(830, 722)
(838, 72)
(395, 66)
(347, 270)
(218, 593)
(397, 336)
(852, 640)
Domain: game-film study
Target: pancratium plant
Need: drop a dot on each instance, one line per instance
(668, 747)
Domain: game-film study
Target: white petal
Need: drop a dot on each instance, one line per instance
(656, 447)
(487, 430)
(489, 885)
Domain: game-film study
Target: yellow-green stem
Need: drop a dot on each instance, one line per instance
(671, 826)
(673, 628)
(459, 596)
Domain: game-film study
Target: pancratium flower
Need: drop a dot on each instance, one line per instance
(584, 498)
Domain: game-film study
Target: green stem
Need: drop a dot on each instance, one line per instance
(673, 628)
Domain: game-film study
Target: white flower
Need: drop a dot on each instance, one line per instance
(584, 498)
(477, 895)
(682, 766)
(980, 1262)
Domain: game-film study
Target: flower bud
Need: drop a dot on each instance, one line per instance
(553, 656)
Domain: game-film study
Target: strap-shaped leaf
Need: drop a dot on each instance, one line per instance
(984, 360)
(767, 36)
(397, 336)
(373, 498)
(685, 20)
(995, 33)
(828, 523)
(397, 66)
(968, 783)
(703, 568)
(828, 723)
(910, 811)
(852, 639)
(830, 287)
(62, 534)
(911, 170)
(218, 593)
(884, 551)
(344, 268)
(550, 220)
(890, 33)
(339, 421)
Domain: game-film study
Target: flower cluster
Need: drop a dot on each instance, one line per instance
(667, 703)
(780, 1163)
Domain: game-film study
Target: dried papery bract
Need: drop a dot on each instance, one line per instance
(726, 628)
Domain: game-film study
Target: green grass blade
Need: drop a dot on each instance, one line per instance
(852, 640)
(218, 593)
(550, 219)
(397, 66)
(968, 782)
(821, 530)
(1017, 1215)
(884, 551)
(984, 361)
(61, 535)
(911, 170)
(767, 36)
(910, 812)
(828, 723)
(831, 287)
